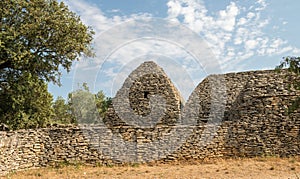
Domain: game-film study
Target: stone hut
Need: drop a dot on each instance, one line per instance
(148, 100)
(255, 123)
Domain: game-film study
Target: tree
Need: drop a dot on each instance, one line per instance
(82, 104)
(86, 106)
(25, 102)
(102, 103)
(293, 65)
(39, 37)
(62, 112)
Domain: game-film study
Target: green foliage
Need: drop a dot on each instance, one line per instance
(62, 112)
(37, 39)
(39, 36)
(82, 103)
(102, 103)
(25, 102)
(293, 65)
(86, 106)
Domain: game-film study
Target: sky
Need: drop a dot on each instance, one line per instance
(189, 39)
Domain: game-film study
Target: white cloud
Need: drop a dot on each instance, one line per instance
(227, 18)
(250, 15)
(262, 5)
(124, 47)
(242, 21)
(235, 34)
(174, 9)
(115, 10)
(251, 44)
(93, 16)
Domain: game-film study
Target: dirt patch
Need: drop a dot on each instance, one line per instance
(229, 168)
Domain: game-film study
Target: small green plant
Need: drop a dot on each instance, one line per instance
(293, 65)
(292, 160)
(98, 164)
(13, 172)
(135, 165)
(65, 163)
(109, 165)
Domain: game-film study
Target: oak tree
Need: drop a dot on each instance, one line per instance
(38, 38)
(25, 103)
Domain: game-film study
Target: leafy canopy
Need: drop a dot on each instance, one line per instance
(86, 106)
(82, 107)
(62, 112)
(25, 103)
(39, 36)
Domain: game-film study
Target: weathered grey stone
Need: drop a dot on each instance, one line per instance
(255, 123)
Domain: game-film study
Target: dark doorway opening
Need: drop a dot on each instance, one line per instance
(146, 94)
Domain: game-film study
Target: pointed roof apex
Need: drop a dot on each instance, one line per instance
(148, 67)
(150, 62)
(147, 82)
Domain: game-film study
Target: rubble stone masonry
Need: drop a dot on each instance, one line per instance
(254, 122)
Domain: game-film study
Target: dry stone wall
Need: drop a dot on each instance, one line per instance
(255, 123)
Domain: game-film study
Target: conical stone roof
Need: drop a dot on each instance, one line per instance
(146, 100)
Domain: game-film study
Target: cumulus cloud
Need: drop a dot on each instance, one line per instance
(86, 69)
(119, 42)
(91, 15)
(235, 34)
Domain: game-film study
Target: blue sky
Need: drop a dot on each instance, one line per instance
(241, 35)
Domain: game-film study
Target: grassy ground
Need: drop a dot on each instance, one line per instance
(230, 168)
